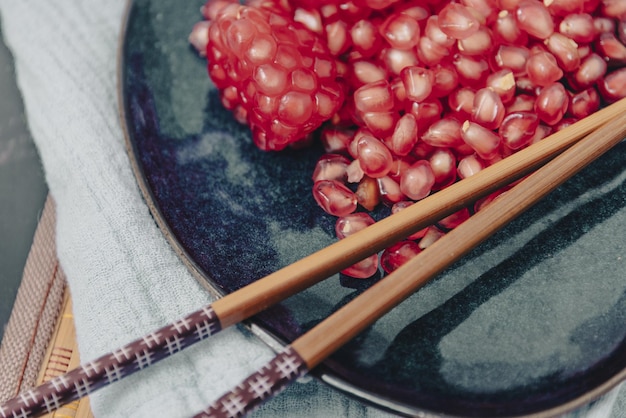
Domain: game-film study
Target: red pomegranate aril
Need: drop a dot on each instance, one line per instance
(591, 6)
(521, 103)
(398, 254)
(488, 108)
(354, 172)
(469, 165)
(334, 197)
(542, 69)
(417, 181)
(613, 8)
(338, 38)
(380, 124)
(389, 189)
(331, 167)
(485, 8)
(621, 30)
(404, 135)
(482, 140)
(564, 123)
(511, 57)
(479, 43)
(352, 223)
(364, 269)
(507, 31)
(613, 86)
(433, 32)
(364, 36)
(552, 103)
(564, 50)
(534, 18)
(432, 234)
(366, 72)
(579, 27)
(426, 113)
(374, 157)
(429, 52)
(367, 193)
(454, 220)
(418, 82)
(472, 71)
(443, 163)
(591, 70)
(445, 81)
(295, 108)
(457, 21)
(542, 132)
(310, 18)
(374, 97)
(518, 128)
(611, 49)
(444, 133)
(584, 103)
(401, 31)
(461, 102)
(564, 7)
(503, 83)
(395, 60)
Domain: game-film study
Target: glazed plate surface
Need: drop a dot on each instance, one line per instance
(531, 322)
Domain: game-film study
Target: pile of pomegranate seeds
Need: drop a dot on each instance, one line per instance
(410, 96)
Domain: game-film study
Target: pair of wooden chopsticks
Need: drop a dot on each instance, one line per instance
(600, 131)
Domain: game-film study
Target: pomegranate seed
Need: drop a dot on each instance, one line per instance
(521, 103)
(472, 71)
(354, 172)
(565, 50)
(374, 97)
(334, 197)
(456, 21)
(534, 18)
(445, 80)
(444, 133)
(461, 101)
(364, 38)
(552, 103)
(506, 30)
(613, 8)
(336, 140)
(454, 220)
(398, 254)
(564, 123)
(542, 69)
(485, 8)
(591, 70)
(435, 34)
(443, 163)
(429, 52)
(337, 37)
(578, 27)
(374, 157)
(418, 82)
(564, 7)
(479, 43)
(364, 269)
(518, 128)
(584, 103)
(432, 234)
(482, 140)
(401, 31)
(488, 108)
(331, 167)
(613, 86)
(396, 59)
(621, 30)
(389, 189)
(404, 135)
(611, 49)
(513, 58)
(367, 193)
(367, 72)
(469, 166)
(426, 113)
(352, 223)
(417, 181)
(503, 83)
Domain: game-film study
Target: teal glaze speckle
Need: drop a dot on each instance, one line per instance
(531, 320)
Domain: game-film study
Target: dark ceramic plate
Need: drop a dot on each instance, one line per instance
(534, 321)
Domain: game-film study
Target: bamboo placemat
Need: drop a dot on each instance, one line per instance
(61, 356)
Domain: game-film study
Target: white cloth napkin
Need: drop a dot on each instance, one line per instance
(125, 279)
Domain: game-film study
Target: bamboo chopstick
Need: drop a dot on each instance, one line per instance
(313, 347)
(277, 286)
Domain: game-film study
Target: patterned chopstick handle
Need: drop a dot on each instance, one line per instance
(257, 388)
(112, 367)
